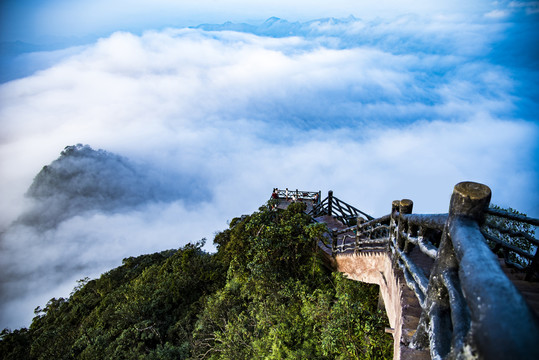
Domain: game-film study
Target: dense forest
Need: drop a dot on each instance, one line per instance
(265, 294)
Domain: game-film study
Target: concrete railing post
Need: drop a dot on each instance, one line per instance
(405, 207)
(330, 202)
(470, 199)
(393, 222)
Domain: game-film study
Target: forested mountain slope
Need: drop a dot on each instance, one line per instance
(264, 294)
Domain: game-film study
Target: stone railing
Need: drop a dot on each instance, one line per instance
(470, 309)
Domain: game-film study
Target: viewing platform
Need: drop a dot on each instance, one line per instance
(286, 197)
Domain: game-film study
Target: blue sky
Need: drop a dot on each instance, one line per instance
(384, 101)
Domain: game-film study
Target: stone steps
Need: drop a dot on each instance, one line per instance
(411, 313)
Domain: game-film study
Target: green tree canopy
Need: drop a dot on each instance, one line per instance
(264, 294)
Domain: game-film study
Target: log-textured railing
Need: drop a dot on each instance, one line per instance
(470, 309)
(501, 225)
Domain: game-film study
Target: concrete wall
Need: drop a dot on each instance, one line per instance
(401, 304)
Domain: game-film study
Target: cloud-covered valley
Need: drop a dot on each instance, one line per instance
(197, 125)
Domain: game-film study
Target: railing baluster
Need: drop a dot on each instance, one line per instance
(437, 324)
(393, 220)
(460, 315)
(330, 202)
(405, 207)
(417, 274)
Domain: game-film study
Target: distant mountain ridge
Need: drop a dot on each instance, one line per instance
(277, 27)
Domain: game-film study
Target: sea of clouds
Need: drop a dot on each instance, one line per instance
(374, 110)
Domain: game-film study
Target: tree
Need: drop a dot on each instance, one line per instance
(264, 294)
(280, 302)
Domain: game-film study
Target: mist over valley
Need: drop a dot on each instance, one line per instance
(191, 120)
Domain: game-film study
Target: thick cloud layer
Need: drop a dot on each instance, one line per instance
(374, 110)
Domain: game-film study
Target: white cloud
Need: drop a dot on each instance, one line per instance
(509, 8)
(531, 7)
(389, 116)
(497, 14)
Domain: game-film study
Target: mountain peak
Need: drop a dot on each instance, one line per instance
(83, 179)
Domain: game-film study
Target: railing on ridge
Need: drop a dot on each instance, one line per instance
(337, 208)
(296, 195)
(501, 225)
(370, 235)
(469, 306)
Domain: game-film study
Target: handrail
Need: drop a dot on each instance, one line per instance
(320, 209)
(380, 220)
(434, 221)
(296, 194)
(341, 210)
(485, 283)
(511, 216)
(507, 246)
(505, 230)
(469, 306)
(514, 234)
